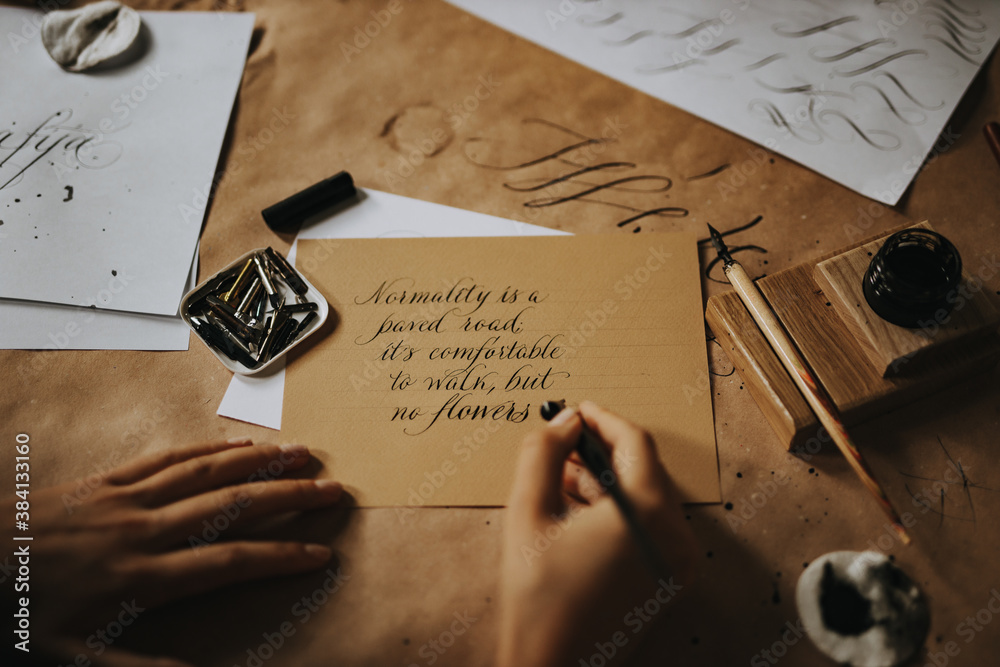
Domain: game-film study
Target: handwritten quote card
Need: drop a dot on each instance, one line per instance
(444, 350)
(105, 176)
(858, 91)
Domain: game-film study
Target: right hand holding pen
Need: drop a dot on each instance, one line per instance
(572, 575)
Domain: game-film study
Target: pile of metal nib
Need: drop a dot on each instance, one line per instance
(242, 311)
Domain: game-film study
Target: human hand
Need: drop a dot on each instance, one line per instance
(573, 582)
(146, 536)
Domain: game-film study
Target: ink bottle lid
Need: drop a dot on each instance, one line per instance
(291, 212)
(911, 276)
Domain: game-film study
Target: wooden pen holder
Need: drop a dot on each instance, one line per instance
(867, 365)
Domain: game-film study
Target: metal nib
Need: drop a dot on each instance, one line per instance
(720, 246)
(551, 408)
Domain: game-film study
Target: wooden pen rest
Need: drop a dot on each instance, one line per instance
(867, 365)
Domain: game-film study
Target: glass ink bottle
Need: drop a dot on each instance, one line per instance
(911, 276)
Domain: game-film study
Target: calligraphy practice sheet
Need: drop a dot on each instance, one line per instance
(105, 176)
(858, 91)
(443, 350)
(257, 398)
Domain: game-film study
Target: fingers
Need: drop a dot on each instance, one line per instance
(114, 657)
(145, 466)
(537, 490)
(238, 505)
(109, 656)
(211, 471)
(188, 572)
(633, 452)
(579, 484)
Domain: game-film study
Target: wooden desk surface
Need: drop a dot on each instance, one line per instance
(418, 109)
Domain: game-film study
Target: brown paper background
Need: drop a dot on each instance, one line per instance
(86, 409)
(644, 361)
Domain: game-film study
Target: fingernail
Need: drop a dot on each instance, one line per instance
(295, 450)
(329, 488)
(240, 440)
(564, 416)
(319, 552)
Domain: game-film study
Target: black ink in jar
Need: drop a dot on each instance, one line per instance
(909, 279)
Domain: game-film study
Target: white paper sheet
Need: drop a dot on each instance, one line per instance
(104, 176)
(858, 91)
(32, 325)
(258, 399)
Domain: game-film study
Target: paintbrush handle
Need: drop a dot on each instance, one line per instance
(810, 387)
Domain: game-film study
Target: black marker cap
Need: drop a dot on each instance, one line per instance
(290, 212)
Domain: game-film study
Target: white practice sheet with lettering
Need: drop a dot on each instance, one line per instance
(104, 175)
(857, 90)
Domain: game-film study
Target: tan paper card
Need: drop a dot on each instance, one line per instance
(444, 349)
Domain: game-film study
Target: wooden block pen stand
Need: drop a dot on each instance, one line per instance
(867, 365)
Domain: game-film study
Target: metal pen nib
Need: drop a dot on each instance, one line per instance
(720, 246)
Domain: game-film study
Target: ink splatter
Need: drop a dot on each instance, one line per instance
(729, 506)
(740, 475)
(115, 273)
(69, 193)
